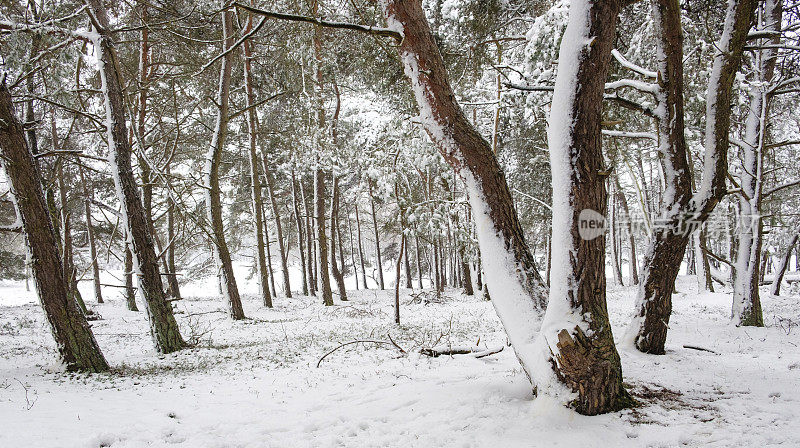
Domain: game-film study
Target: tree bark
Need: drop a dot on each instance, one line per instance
(775, 289)
(282, 251)
(255, 180)
(337, 274)
(211, 175)
(163, 326)
(77, 348)
(129, 291)
(648, 331)
(324, 277)
(746, 309)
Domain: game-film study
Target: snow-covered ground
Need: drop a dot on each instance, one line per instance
(256, 383)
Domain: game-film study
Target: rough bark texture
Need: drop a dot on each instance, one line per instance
(129, 291)
(213, 159)
(163, 326)
(586, 359)
(76, 345)
(670, 234)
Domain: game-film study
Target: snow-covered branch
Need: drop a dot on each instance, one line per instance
(633, 67)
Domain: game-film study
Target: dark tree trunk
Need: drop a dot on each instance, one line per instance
(311, 249)
(129, 291)
(397, 279)
(163, 326)
(282, 250)
(623, 203)
(352, 249)
(337, 274)
(76, 345)
(322, 237)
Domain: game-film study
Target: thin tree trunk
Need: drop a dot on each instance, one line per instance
(300, 235)
(129, 291)
(746, 309)
(282, 250)
(397, 280)
(337, 274)
(98, 295)
(377, 235)
(352, 249)
(163, 326)
(312, 277)
(361, 249)
(324, 277)
(419, 258)
(76, 345)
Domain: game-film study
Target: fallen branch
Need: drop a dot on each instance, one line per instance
(694, 347)
(476, 352)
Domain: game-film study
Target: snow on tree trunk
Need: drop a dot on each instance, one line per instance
(746, 309)
(75, 342)
(775, 289)
(670, 235)
(648, 330)
(163, 327)
(211, 175)
(574, 359)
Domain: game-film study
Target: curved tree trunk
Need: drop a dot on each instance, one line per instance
(98, 294)
(75, 342)
(211, 175)
(775, 289)
(377, 235)
(163, 326)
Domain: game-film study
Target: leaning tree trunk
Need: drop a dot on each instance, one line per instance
(775, 289)
(75, 342)
(211, 174)
(648, 330)
(746, 310)
(163, 327)
(575, 358)
(255, 181)
(360, 249)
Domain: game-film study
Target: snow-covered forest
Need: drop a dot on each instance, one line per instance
(399, 223)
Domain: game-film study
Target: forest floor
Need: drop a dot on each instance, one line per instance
(255, 383)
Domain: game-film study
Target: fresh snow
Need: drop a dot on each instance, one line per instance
(254, 383)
